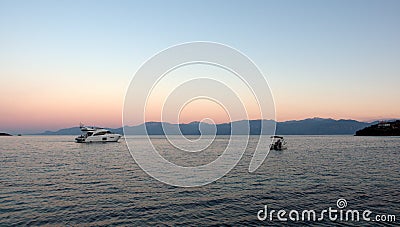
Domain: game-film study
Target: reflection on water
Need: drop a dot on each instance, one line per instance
(52, 180)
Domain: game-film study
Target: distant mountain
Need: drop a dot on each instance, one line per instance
(311, 126)
(198, 128)
(320, 126)
(66, 131)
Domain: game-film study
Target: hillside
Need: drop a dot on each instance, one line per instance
(381, 129)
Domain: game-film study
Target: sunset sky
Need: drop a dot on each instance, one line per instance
(65, 62)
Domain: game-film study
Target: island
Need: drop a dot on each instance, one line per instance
(383, 128)
(4, 134)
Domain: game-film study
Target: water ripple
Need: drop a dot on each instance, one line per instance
(52, 181)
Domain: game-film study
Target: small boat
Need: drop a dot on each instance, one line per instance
(94, 134)
(278, 143)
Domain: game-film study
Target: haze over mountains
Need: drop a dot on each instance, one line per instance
(310, 126)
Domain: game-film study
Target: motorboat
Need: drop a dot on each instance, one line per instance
(95, 134)
(278, 143)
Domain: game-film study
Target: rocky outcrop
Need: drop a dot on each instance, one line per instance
(4, 134)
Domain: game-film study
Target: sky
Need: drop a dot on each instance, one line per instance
(65, 62)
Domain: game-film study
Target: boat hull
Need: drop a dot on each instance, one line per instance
(98, 139)
(277, 149)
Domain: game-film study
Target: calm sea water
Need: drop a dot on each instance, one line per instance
(51, 180)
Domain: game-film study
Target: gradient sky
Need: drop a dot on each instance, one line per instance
(65, 62)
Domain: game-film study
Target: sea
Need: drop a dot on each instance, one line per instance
(53, 181)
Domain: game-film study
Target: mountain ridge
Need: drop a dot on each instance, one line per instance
(308, 126)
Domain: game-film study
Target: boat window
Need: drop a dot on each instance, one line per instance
(99, 133)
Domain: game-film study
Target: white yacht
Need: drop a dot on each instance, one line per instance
(94, 134)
